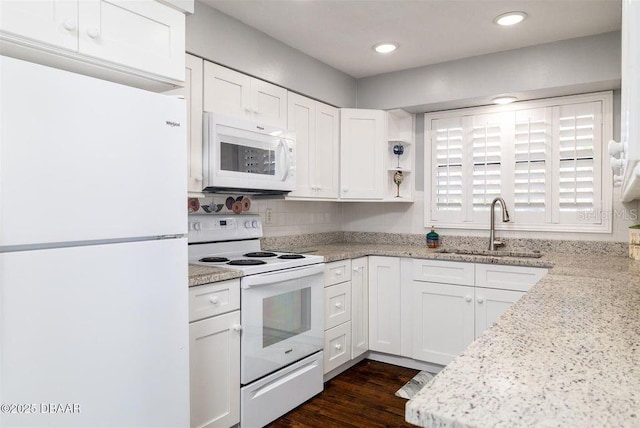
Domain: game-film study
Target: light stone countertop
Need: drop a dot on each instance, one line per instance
(200, 275)
(567, 354)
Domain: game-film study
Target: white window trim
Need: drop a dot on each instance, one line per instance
(606, 226)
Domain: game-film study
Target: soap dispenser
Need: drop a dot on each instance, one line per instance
(433, 239)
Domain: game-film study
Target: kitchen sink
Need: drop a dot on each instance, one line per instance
(495, 253)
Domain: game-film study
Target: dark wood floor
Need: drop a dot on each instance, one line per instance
(362, 396)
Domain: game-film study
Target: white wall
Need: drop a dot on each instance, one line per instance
(224, 40)
(586, 64)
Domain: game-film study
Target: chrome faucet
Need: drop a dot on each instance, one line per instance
(493, 244)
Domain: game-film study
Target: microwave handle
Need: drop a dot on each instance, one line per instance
(287, 161)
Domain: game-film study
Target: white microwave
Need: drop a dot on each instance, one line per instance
(240, 156)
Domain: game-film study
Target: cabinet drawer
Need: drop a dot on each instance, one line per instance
(518, 278)
(337, 304)
(337, 272)
(444, 272)
(337, 346)
(213, 299)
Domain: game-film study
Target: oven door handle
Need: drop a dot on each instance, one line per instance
(281, 276)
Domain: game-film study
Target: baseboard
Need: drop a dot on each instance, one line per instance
(385, 358)
(404, 362)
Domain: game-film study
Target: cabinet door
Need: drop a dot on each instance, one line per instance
(337, 346)
(443, 321)
(361, 149)
(214, 355)
(359, 307)
(302, 113)
(145, 35)
(384, 304)
(337, 309)
(193, 94)
(268, 103)
(327, 147)
(226, 91)
(491, 304)
(54, 22)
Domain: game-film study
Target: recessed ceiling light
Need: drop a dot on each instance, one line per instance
(504, 100)
(510, 18)
(385, 47)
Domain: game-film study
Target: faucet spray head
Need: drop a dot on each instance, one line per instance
(505, 214)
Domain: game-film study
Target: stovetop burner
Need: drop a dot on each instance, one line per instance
(214, 259)
(260, 254)
(246, 262)
(291, 256)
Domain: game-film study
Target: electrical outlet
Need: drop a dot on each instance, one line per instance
(268, 216)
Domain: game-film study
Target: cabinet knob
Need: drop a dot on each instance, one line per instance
(468, 298)
(338, 305)
(338, 346)
(69, 25)
(199, 178)
(615, 148)
(615, 162)
(237, 327)
(339, 272)
(93, 33)
(214, 300)
(355, 269)
(345, 189)
(480, 300)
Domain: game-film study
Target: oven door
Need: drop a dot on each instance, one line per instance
(282, 319)
(244, 155)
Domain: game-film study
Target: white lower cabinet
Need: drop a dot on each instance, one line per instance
(346, 311)
(359, 307)
(443, 321)
(337, 346)
(455, 302)
(490, 304)
(214, 354)
(384, 304)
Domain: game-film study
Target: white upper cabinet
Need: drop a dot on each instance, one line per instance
(362, 141)
(369, 168)
(142, 39)
(145, 35)
(192, 92)
(630, 100)
(53, 22)
(231, 93)
(316, 126)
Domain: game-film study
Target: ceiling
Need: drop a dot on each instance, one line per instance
(341, 33)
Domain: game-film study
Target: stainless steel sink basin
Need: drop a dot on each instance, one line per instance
(496, 253)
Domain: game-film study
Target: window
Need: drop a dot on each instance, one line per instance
(546, 158)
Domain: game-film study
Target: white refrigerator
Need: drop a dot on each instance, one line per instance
(93, 254)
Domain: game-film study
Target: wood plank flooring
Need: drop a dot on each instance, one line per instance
(361, 397)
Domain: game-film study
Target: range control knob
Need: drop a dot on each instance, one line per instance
(197, 226)
(247, 224)
(254, 224)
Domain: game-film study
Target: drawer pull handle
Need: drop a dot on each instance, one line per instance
(214, 300)
(468, 298)
(338, 346)
(237, 327)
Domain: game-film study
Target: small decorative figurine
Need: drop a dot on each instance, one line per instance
(398, 150)
(398, 177)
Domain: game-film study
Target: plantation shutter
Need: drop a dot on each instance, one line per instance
(579, 144)
(486, 152)
(532, 175)
(447, 154)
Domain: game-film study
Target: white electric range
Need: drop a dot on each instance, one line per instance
(282, 314)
